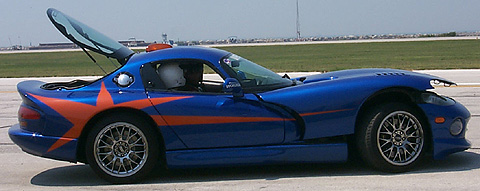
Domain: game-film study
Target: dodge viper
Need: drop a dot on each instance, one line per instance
(158, 108)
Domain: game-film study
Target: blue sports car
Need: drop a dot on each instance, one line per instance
(157, 109)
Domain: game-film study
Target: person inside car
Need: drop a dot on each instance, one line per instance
(193, 74)
(182, 77)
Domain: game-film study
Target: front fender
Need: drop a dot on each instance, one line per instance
(330, 104)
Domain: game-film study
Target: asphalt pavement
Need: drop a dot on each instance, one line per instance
(460, 171)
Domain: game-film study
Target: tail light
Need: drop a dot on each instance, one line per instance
(25, 113)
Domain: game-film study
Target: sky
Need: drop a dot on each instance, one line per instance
(24, 22)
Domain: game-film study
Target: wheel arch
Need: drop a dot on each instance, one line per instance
(404, 95)
(117, 111)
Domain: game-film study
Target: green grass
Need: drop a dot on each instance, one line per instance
(52, 64)
(458, 54)
(461, 54)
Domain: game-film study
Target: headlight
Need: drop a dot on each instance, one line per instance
(432, 98)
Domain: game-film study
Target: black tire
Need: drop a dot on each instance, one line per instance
(122, 149)
(392, 137)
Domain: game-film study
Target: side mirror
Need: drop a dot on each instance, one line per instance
(232, 85)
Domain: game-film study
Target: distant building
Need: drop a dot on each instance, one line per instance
(61, 45)
(133, 42)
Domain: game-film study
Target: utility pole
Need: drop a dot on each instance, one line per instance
(298, 23)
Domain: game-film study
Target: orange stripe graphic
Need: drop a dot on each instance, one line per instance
(175, 120)
(323, 112)
(203, 120)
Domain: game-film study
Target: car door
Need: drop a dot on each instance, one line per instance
(217, 119)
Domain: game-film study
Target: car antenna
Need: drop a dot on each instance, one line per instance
(94, 61)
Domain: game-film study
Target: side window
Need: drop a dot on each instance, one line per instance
(212, 81)
(189, 75)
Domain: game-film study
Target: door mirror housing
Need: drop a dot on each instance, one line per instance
(231, 85)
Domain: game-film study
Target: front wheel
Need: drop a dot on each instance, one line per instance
(122, 149)
(392, 137)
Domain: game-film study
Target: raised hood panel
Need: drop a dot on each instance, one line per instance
(86, 37)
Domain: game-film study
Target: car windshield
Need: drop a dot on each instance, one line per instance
(253, 76)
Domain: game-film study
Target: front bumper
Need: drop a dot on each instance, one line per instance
(443, 142)
(37, 144)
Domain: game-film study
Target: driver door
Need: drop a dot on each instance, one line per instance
(218, 119)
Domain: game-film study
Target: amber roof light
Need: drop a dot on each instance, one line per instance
(153, 47)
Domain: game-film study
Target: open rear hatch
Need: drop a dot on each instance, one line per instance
(86, 38)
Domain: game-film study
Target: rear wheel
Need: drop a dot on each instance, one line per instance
(122, 149)
(392, 137)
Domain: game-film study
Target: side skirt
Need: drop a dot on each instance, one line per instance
(262, 155)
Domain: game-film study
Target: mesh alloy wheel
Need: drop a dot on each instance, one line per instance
(120, 149)
(392, 137)
(400, 138)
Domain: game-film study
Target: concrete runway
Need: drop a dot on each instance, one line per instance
(21, 171)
